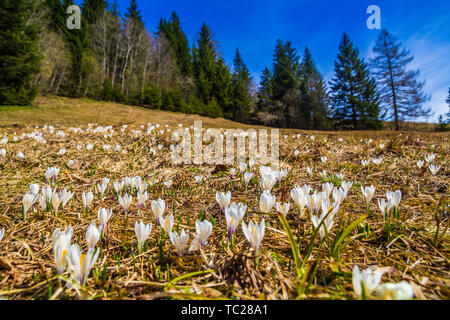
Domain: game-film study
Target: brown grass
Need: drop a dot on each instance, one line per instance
(26, 257)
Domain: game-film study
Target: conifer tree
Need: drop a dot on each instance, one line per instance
(448, 102)
(241, 81)
(173, 33)
(353, 89)
(401, 93)
(93, 10)
(314, 106)
(265, 86)
(285, 69)
(205, 64)
(19, 59)
(133, 13)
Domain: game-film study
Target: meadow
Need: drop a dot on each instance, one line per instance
(340, 203)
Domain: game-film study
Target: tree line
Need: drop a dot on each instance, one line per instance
(114, 57)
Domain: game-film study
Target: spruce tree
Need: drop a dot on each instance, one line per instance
(353, 91)
(178, 42)
(241, 82)
(93, 10)
(314, 106)
(205, 64)
(448, 102)
(265, 86)
(401, 93)
(19, 59)
(222, 88)
(285, 69)
(133, 13)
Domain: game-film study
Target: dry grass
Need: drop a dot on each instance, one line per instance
(26, 258)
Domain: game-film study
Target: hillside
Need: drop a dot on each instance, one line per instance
(72, 111)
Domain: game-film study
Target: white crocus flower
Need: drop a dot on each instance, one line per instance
(125, 202)
(323, 159)
(101, 188)
(263, 170)
(326, 226)
(395, 291)
(394, 197)
(42, 203)
(118, 186)
(27, 202)
(20, 155)
(370, 279)
(323, 174)
(377, 161)
(430, 158)
(268, 181)
(346, 185)
(420, 164)
(242, 167)
(34, 189)
(92, 236)
(223, 199)
(283, 208)
(233, 215)
(368, 193)
(168, 184)
(180, 241)
(365, 163)
(61, 246)
(51, 173)
(204, 230)
(384, 206)
(3, 152)
(66, 196)
(56, 201)
(309, 171)
(247, 177)
(339, 195)
(280, 175)
(47, 192)
(142, 232)
(434, 169)
(81, 264)
(254, 233)
(198, 179)
(158, 208)
(142, 198)
(167, 223)
(87, 199)
(314, 202)
(340, 176)
(299, 197)
(2, 233)
(327, 189)
(103, 217)
(266, 202)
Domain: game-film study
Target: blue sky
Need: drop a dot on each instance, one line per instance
(254, 26)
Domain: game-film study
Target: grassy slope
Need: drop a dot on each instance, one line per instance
(26, 247)
(69, 111)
